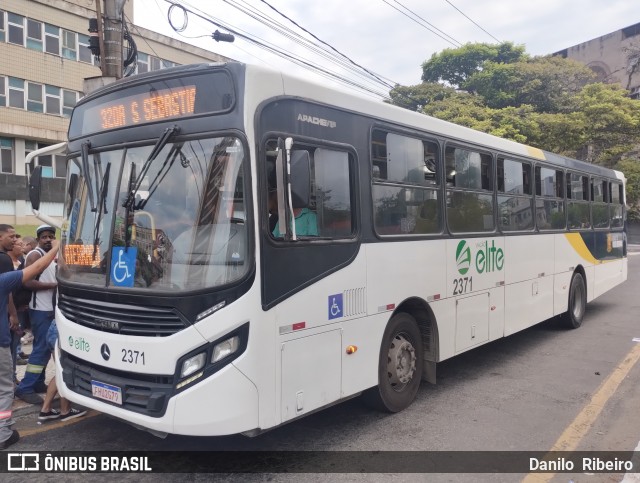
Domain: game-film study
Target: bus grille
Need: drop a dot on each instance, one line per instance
(141, 393)
(121, 319)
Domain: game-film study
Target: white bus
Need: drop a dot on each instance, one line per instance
(241, 248)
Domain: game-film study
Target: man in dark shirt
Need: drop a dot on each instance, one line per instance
(8, 237)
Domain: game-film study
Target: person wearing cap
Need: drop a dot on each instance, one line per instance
(9, 282)
(41, 313)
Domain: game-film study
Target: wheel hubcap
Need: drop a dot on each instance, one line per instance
(401, 362)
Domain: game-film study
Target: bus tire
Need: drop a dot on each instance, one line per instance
(400, 366)
(577, 302)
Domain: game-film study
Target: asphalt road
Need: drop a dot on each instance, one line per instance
(533, 391)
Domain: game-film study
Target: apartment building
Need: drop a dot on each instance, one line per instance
(44, 59)
(614, 57)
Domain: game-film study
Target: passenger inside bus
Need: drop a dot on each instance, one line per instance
(306, 223)
(306, 220)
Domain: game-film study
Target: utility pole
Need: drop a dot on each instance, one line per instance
(113, 38)
(106, 41)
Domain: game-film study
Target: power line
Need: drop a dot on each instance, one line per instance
(472, 21)
(275, 50)
(325, 43)
(453, 41)
(315, 48)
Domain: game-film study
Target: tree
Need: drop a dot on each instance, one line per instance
(611, 122)
(455, 66)
(416, 97)
(546, 83)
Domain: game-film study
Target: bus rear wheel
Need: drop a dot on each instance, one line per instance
(577, 302)
(399, 367)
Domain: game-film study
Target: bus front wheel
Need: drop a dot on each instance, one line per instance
(399, 367)
(577, 302)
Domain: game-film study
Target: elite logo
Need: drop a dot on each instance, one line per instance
(488, 258)
(79, 343)
(463, 257)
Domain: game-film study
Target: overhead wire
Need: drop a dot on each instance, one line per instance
(327, 44)
(472, 21)
(277, 51)
(422, 22)
(341, 60)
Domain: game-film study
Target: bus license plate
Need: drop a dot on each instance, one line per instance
(106, 391)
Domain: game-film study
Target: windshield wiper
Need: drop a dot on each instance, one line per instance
(129, 208)
(129, 203)
(84, 149)
(102, 208)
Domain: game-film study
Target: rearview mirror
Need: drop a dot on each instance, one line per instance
(35, 182)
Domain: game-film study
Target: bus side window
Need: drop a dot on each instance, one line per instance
(332, 190)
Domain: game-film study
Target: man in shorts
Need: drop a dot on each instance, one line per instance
(66, 412)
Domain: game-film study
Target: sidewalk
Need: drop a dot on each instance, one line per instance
(21, 408)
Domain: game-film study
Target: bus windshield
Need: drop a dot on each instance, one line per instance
(184, 228)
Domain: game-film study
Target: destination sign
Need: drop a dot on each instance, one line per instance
(146, 107)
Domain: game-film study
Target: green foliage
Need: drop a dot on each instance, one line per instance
(455, 66)
(546, 83)
(611, 123)
(416, 97)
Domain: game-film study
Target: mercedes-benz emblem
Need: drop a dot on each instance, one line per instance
(106, 353)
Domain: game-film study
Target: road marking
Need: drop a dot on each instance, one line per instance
(49, 425)
(580, 426)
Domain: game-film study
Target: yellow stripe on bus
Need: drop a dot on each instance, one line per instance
(579, 246)
(535, 152)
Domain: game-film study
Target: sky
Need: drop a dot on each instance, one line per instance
(378, 36)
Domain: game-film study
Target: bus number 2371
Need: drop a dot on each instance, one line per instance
(462, 285)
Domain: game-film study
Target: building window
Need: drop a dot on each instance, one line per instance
(6, 159)
(34, 35)
(143, 63)
(2, 27)
(51, 39)
(52, 97)
(34, 97)
(60, 166)
(16, 29)
(69, 45)
(69, 99)
(84, 54)
(16, 93)
(3, 91)
(155, 63)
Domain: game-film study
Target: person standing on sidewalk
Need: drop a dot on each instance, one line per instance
(9, 282)
(41, 312)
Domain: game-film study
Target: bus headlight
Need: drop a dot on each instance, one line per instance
(225, 348)
(192, 364)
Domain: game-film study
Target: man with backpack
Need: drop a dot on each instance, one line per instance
(41, 313)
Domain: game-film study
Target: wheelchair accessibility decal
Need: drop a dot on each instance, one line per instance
(335, 306)
(123, 266)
